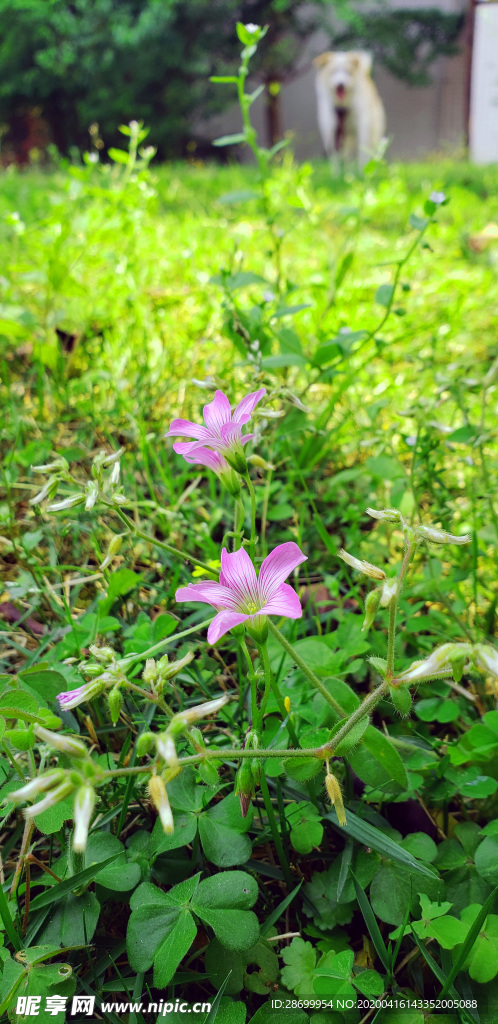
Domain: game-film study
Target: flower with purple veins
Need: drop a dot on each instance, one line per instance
(222, 431)
(241, 596)
(214, 461)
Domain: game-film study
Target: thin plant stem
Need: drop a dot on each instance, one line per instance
(366, 707)
(310, 675)
(132, 658)
(277, 839)
(160, 543)
(391, 636)
(238, 524)
(271, 683)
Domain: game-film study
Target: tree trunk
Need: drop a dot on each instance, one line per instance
(274, 116)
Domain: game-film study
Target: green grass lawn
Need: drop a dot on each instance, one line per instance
(370, 319)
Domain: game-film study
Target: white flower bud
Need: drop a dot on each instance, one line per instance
(166, 748)
(36, 786)
(439, 661)
(440, 536)
(486, 658)
(388, 592)
(66, 744)
(209, 708)
(365, 567)
(54, 796)
(388, 515)
(58, 506)
(159, 797)
(83, 809)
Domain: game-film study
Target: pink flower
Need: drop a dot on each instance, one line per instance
(214, 461)
(223, 429)
(240, 596)
(72, 698)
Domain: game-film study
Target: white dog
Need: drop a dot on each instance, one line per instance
(351, 116)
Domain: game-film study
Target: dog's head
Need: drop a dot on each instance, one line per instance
(340, 71)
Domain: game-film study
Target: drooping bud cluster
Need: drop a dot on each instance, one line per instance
(100, 485)
(365, 567)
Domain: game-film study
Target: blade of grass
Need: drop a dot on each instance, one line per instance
(371, 923)
(274, 916)
(56, 892)
(8, 922)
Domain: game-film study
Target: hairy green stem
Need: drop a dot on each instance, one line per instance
(132, 658)
(310, 675)
(391, 637)
(160, 543)
(366, 707)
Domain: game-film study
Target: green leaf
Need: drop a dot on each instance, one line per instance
(373, 928)
(222, 901)
(384, 294)
(306, 828)
(300, 960)
(421, 846)
(73, 920)
(20, 705)
(45, 682)
(184, 833)
(120, 583)
(486, 859)
(381, 748)
(469, 942)
(369, 983)
(302, 769)
(230, 140)
(479, 788)
(120, 156)
(242, 965)
(221, 844)
(51, 821)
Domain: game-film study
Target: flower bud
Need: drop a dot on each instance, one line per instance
(66, 744)
(145, 743)
(371, 606)
(170, 669)
(440, 661)
(49, 490)
(486, 658)
(260, 463)
(357, 563)
(159, 797)
(54, 796)
(113, 549)
(244, 787)
(39, 785)
(335, 796)
(402, 699)
(256, 765)
(388, 592)
(74, 499)
(195, 714)
(166, 748)
(59, 463)
(84, 804)
(70, 699)
(440, 536)
(103, 654)
(388, 515)
(114, 475)
(149, 674)
(115, 702)
(92, 493)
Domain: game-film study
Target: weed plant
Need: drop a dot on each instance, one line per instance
(233, 789)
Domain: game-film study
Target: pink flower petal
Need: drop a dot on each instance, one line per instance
(238, 573)
(212, 440)
(222, 623)
(208, 592)
(242, 413)
(201, 456)
(277, 566)
(284, 602)
(246, 438)
(184, 428)
(217, 412)
(231, 434)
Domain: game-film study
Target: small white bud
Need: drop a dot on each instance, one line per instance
(159, 797)
(83, 809)
(439, 661)
(440, 536)
(365, 567)
(166, 748)
(388, 592)
(388, 515)
(54, 796)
